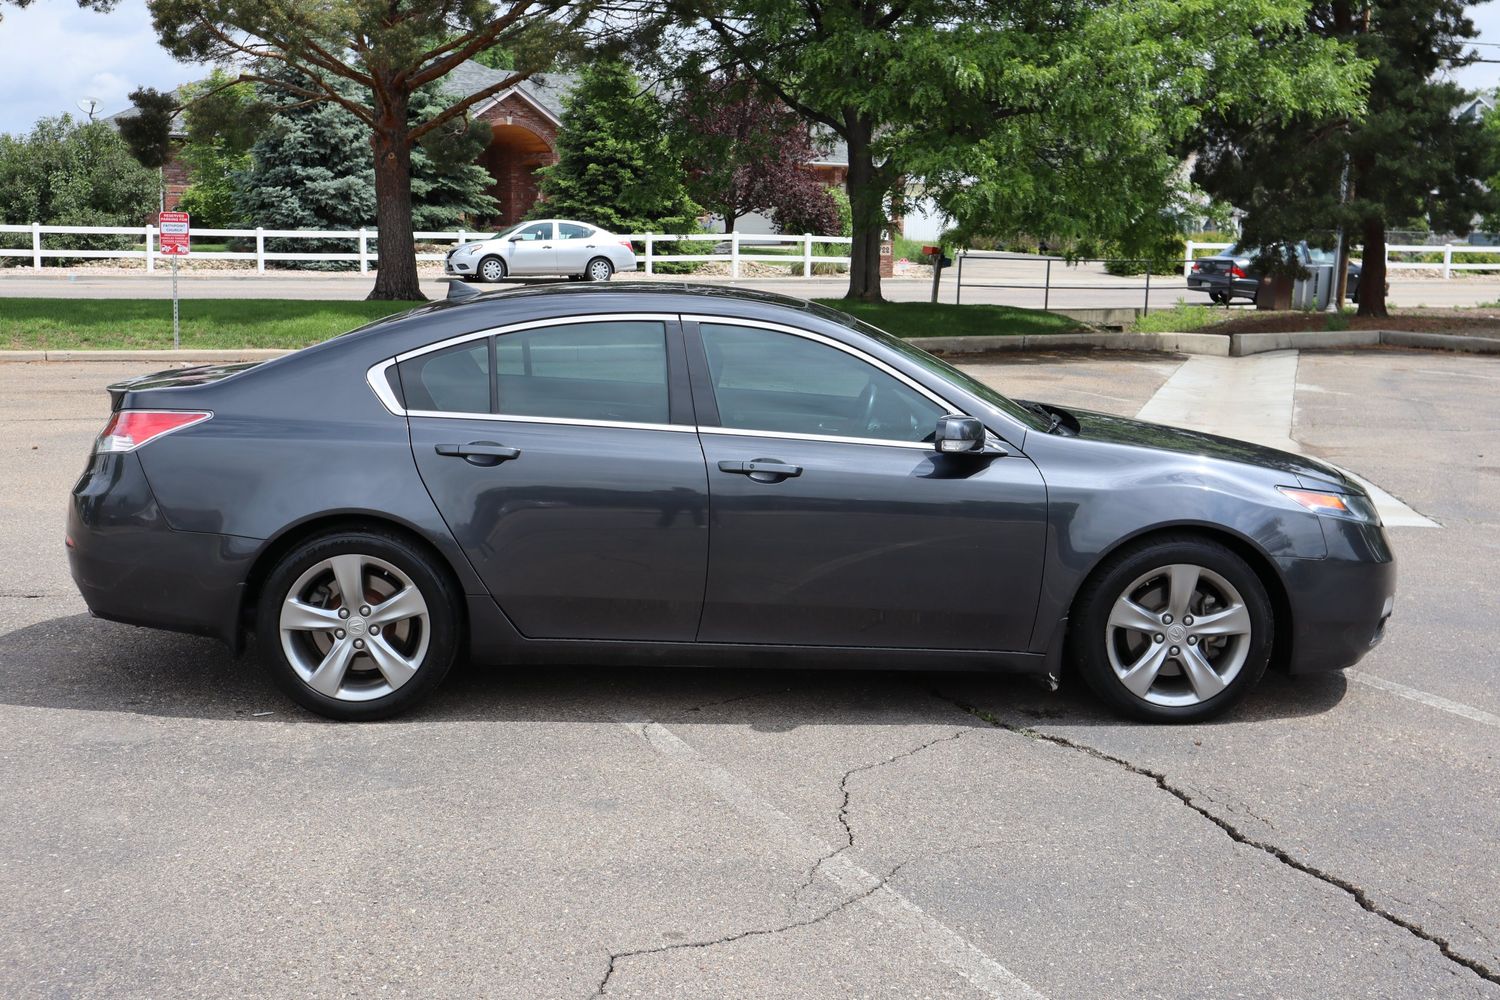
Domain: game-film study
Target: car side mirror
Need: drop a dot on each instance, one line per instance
(958, 434)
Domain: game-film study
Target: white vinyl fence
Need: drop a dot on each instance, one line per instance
(738, 248)
(1444, 252)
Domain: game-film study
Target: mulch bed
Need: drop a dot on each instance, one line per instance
(1471, 322)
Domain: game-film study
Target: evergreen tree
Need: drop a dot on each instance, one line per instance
(616, 167)
(1409, 157)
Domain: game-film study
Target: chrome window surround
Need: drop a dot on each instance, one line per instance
(377, 378)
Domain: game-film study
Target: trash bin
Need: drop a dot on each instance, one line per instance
(1315, 291)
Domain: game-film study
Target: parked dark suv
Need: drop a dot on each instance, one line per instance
(1232, 274)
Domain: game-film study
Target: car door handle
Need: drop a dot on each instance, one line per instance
(762, 469)
(485, 453)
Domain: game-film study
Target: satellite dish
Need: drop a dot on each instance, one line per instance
(88, 105)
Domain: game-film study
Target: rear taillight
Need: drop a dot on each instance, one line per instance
(628, 245)
(1235, 272)
(1197, 267)
(127, 430)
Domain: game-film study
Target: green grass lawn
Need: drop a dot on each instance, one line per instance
(116, 324)
(925, 319)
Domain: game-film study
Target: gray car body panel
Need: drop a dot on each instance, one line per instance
(304, 439)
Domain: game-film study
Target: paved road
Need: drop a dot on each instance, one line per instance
(170, 826)
(1101, 291)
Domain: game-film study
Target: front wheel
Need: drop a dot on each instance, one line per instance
(492, 269)
(599, 269)
(358, 625)
(1175, 630)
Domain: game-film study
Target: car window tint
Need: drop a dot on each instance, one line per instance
(568, 231)
(453, 380)
(536, 231)
(765, 380)
(586, 371)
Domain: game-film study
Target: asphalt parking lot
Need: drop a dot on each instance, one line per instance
(171, 826)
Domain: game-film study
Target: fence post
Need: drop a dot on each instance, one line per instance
(36, 245)
(364, 250)
(150, 249)
(260, 250)
(807, 255)
(734, 254)
(1447, 260)
(650, 239)
(1187, 262)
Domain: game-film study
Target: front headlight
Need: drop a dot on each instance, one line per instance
(1353, 506)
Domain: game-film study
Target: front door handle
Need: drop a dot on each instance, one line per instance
(762, 470)
(483, 453)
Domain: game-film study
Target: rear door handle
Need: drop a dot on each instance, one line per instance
(484, 453)
(762, 469)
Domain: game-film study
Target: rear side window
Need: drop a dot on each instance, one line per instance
(453, 380)
(568, 231)
(585, 371)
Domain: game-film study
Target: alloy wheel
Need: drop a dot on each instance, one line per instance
(492, 270)
(354, 627)
(1178, 635)
(600, 270)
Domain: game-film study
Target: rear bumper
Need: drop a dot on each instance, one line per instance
(1340, 604)
(131, 567)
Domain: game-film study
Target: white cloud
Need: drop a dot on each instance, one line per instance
(52, 54)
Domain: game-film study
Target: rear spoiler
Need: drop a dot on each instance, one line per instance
(175, 378)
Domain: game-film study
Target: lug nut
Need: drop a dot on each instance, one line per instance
(343, 612)
(1166, 619)
(1192, 640)
(364, 610)
(1159, 637)
(359, 644)
(1175, 650)
(1187, 620)
(338, 633)
(374, 629)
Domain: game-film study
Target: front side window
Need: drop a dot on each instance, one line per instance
(569, 231)
(585, 371)
(765, 380)
(535, 231)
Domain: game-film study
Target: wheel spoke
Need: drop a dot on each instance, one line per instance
(1184, 581)
(329, 676)
(1142, 673)
(1233, 620)
(305, 617)
(396, 668)
(1201, 675)
(407, 603)
(349, 571)
(1129, 615)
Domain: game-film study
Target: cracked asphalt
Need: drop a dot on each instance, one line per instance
(170, 826)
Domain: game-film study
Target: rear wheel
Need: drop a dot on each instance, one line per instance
(599, 269)
(1176, 630)
(358, 624)
(492, 269)
(1220, 297)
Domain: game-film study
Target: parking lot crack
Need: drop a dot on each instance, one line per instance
(843, 811)
(1354, 891)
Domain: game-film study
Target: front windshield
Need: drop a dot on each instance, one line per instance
(938, 367)
(504, 232)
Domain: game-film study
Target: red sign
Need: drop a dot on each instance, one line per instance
(174, 233)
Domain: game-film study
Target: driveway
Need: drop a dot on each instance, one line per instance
(171, 826)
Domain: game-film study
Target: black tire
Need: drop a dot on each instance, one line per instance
(442, 627)
(1218, 297)
(1090, 635)
(599, 269)
(492, 262)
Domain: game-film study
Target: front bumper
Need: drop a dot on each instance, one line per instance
(1340, 604)
(459, 264)
(131, 566)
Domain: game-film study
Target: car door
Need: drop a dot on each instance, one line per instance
(575, 247)
(569, 472)
(533, 250)
(834, 522)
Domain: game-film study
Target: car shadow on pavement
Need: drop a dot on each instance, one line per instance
(82, 663)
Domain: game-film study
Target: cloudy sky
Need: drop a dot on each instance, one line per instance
(53, 55)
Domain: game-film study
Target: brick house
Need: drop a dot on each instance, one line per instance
(524, 120)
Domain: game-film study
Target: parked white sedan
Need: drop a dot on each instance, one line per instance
(547, 246)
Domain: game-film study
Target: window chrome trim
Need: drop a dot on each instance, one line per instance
(380, 384)
(537, 324)
(830, 438)
(561, 421)
(831, 342)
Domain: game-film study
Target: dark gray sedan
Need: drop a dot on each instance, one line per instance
(635, 475)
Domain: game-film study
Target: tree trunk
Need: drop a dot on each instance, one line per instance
(867, 214)
(396, 276)
(1372, 271)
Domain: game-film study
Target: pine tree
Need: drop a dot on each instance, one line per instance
(616, 167)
